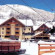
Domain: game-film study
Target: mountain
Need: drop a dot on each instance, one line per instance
(25, 12)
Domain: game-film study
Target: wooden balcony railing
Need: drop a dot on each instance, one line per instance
(45, 48)
(9, 46)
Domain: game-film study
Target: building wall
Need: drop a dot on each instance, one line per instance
(12, 29)
(17, 34)
(21, 35)
(0, 31)
(40, 34)
(27, 30)
(3, 31)
(27, 36)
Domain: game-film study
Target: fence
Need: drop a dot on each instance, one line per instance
(45, 48)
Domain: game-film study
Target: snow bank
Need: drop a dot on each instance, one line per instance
(31, 48)
(49, 53)
(52, 37)
(7, 40)
(43, 42)
(37, 33)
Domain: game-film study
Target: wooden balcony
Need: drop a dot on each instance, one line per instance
(9, 46)
(8, 30)
(17, 30)
(17, 34)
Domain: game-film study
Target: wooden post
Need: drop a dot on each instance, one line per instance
(8, 49)
(1, 47)
(14, 48)
(38, 49)
(50, 46)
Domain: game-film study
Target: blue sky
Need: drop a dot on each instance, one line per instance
(41, 4)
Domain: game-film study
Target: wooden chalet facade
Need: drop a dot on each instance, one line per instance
(28, 32)
(41, 35)
(14, 29)
(43, 27)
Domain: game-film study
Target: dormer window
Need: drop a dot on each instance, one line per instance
(2, 28)
(8, 24)
(13, 21)
(29, 28)
(43, 26)
(24, 28)
(17, 25)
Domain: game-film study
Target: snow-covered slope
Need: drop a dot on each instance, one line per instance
(27, 12)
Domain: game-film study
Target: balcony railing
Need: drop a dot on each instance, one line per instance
(28, 33)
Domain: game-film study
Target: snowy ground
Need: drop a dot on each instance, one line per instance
(31, 48)
(49, 53)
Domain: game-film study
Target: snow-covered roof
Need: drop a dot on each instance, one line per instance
(28, 23)
(37, 26)
(37, 33)
(3, 20)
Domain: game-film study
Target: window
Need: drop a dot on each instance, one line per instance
(8, 28)
(24, 28)
(8, 32)
(43, 26)
(2, 32)
(17, 28)
(17, 32)
(29, 28)
(45, 37)
(2, 28)
(8, 24)
(38, 37)
(7, 36)
(2, 36)
(46, 29)
(13, 21)
(17, 25)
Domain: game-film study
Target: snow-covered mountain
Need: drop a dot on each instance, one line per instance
(23, 12)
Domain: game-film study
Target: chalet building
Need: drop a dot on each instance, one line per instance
(43, 36)
(42, 32)
(42, 28)
(14, 29)
(27, 32)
